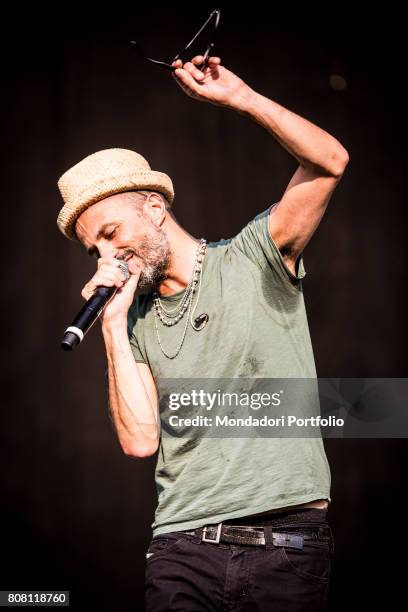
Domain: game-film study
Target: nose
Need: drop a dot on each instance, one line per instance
(107, 250)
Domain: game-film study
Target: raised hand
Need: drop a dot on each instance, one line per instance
(215, 84)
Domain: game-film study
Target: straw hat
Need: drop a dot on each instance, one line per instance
(102, 174)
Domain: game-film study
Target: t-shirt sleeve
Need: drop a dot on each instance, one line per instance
(132, 334)
(137, 353)
(255, 241)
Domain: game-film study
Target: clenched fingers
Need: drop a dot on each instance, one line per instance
(108, 275)
(191, 67)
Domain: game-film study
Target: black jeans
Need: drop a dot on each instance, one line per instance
(186, 574)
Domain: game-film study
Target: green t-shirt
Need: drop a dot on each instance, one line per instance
(257, 328)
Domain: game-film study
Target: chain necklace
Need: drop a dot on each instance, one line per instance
(170, 317)
(178, 312)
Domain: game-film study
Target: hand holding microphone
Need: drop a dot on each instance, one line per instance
(109, 295)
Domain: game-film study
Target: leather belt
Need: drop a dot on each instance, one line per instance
(248, 534)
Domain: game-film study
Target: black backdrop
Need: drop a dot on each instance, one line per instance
(76, 512)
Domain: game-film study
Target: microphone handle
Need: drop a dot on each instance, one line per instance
(86, 317)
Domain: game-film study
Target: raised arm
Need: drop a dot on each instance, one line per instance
(322, 159)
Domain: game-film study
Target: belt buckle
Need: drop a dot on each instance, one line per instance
(217, 537)
(291, 540)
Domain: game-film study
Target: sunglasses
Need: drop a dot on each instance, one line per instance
(213, 20)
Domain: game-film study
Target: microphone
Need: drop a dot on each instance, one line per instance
(89, 313)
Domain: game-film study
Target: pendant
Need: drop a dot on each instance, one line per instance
(200, 321)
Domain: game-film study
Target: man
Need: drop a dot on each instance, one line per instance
(240, 521)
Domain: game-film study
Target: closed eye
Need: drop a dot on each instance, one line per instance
(102, 234)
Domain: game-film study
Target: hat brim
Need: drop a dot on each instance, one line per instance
(105, 187)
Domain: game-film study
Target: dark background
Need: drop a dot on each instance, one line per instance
(75, 511)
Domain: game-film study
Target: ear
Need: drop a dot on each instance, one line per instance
(155, 207)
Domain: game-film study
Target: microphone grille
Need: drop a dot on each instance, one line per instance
(125, 268)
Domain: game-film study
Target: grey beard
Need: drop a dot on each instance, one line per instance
(153, 274)
(155, 253)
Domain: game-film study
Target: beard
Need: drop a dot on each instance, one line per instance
(155, 253)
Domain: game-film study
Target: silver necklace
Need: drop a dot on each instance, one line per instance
(174, 315)
(173, 312)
